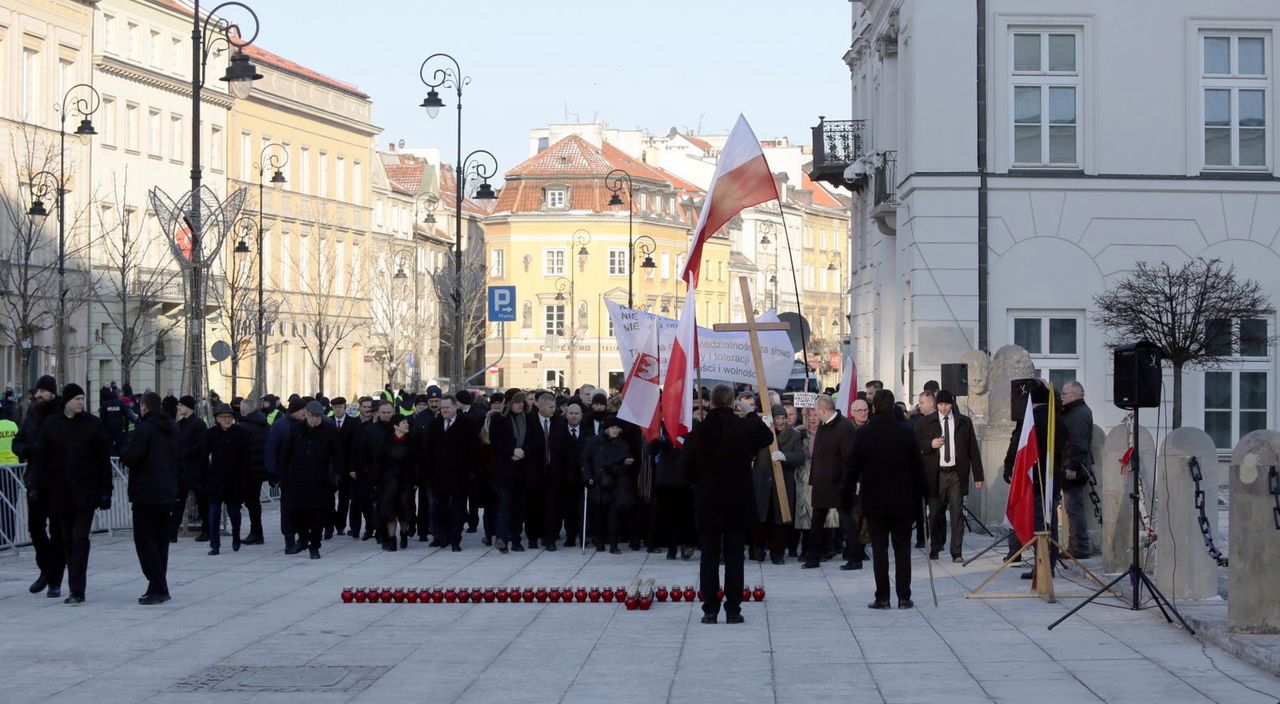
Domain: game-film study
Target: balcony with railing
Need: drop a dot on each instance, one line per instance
(836, 145)
(885, 178)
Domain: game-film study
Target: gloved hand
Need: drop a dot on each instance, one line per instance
(104, 503)
(777, 456)
(1008, 475)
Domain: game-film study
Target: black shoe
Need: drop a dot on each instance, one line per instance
(456, 548)
(404, 542)
(354, 534)
(933, 554)
(779, 561)
(203, 537)
(614, 550)
(635, 545)
(328, 534)
(502, 545)
(74, 600)
(551, 546)
(293, 549)
(734, 618)
(437, 543)
(533, 543)
(487, 541)
(54, 592)
(1028, 574)
(423, 538)
(810, 564)
(389, 545)
(919, 544)
(367, 534)
(39, 585)
(957, 558)
(173, 539)
(686, 553)
(517, 547)
(905, 603)
(879, 605)
(253, 539)
(852, 565)
(671, 554)
(212, 551)
(654, 549)
(471, 529)
(791, 553)
(315, 553)
(153, 599)
(235, 543)
(709, 618)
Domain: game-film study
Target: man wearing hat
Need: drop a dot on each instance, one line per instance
(598, 414)
(271, 408)
(255, 426)
(307, 465)
(26, 445)
(342, 491)
(274, 448)
(152, 459)
(951, 455)
(223, 480)
(194, 453)
(78, 480)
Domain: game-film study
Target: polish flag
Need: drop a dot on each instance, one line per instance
(742, 179)
(640, 392)
(677, 393)
(1019, 512)
(848, 386)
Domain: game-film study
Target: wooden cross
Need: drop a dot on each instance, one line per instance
(751, 327)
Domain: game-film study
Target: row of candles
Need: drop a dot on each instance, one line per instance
(636, 597)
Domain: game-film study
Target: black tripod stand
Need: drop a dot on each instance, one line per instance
(1137, 576)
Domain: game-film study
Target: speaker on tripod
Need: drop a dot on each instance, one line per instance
(955, 378)
(1137, 375)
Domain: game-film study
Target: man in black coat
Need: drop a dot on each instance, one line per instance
(349, 498)
(571, 490)
(152, 459)
(255, 426)
(26, 445)
(342, 491)
(829, 464)
(306, 465)
(1077, 424)
(555, 433)
(890, 481)
(115, 417)
(951, 455)
(195, 458)
(223, 480)
(363, 462)
(78, 480)
(717, 459)
(453, 446)
(419, 435)
(1040, 412)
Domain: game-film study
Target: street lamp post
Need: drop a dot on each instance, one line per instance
(484, 166)
(401, 257)
(275, 157)
(85, 107)
(647, 247)
(613, 181)
(580, 239)
(835, 262)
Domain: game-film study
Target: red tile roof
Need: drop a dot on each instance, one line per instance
(698, 142)
(449, 194)
(820, 195)
(571, 156)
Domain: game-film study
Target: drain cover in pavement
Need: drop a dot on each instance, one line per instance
(306, 678)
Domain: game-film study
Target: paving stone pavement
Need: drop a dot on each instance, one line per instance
(259, 626)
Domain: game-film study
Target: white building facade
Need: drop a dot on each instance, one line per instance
(1108, 133)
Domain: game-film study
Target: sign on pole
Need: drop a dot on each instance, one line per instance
(804, 399)
(502, 304)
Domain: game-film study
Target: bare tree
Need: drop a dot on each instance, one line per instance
(473, 290)
(136, 286)
(234, 291)
(394, 320)
(1192, 312)
(326, 302)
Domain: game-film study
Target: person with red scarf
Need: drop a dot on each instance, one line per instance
(396, 483)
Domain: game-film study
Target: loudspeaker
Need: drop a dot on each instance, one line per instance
(955, 378)
(1138, 375)
(1019, 390)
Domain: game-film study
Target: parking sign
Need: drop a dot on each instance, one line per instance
(502, 304)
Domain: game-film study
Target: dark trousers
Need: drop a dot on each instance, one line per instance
(75, 547)
(178, 513)
(550, 513)
(344, 504)
(289, 527)
(50, 556)
(1014, 543)
(215, 522)
(854, 530)
(770, 535)
(920, 525)
(151, 542)
(671, 523)
(511, 507)
(950, 498)
(571, 496)
(253, 504)
(1074, 498)
(449, 512)
(428, 520)
(714, 545)
(534, 520)
(884, 532)
(310, 523)
(820, 537)
(361, 509)
(606, 520)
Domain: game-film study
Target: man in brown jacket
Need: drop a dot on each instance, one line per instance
(832, 450)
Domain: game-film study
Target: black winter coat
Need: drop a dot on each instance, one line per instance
(224, 477)
(605, 468)
(716, 459)
(152, 459)
(968, 454)
(828, 470)
(452, 455)
(77, 471)
(306, 463)
(666, 464)
(1041, 415)
(502, 436)
(255, 429)
(889, 468)
(193, 450)
(791, 444)
(26, 444)
(1077, 424)
(397, 472)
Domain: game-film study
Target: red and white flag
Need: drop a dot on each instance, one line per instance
(677, 393)
(1019, 512)
(640, 392)
(848, 386)
(742, 179)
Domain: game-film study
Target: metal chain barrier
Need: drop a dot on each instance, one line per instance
(1273, 486)
(1205, 530)
(1093, 496)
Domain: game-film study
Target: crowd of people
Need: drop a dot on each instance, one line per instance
(536, 469)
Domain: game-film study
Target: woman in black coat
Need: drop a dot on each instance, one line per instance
(307, 472)
(397, 470)
(607, 465)
(517, 440)
(224, 475)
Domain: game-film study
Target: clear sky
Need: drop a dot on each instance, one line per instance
(652, 64)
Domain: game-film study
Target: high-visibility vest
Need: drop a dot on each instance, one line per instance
(8, 429)
(271, 417)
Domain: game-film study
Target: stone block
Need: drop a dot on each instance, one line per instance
(1252, 603)
(1183, 568)
(1117, 513)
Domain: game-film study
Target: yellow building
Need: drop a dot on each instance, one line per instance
(824, 276)
(555, 236)
(315, 228)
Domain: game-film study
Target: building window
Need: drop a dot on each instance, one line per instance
(157, 49)
(553, 262)
(109, 33)
(31, 85)
(175, 137)
(246, 156)
(617, 261)
(554, 378)
(357, 183)
(155, 139)
(1236, 400)
(131, 127)
(1234, 80)
(175, 55)
(553, 319)
(304, 171)
(215, 148)
(108, 111)
(131, 37)
(1053, 342)
(340, 173)
(323, 179)
(1046, 98)
(664, 265)
(557, 197)
(497, 263)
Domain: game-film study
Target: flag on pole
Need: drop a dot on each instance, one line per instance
(640, 391)
(677, 392)
(742, 179)
(1019, 512)
(848, 386)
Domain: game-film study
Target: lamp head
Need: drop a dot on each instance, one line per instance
(85, 130)
(485, 192)
(432, 103)
(242, 247)
(648, 262)
(764, 240)
(37, 210)
(240, 75)
(277, 179)
(615, 200)
(400, 273)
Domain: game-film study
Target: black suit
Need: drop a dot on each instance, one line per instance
(890, 474)
(571, 496)
(419, 435)
(556, 443)
(350, 511)
(451, 455)
(948, 485)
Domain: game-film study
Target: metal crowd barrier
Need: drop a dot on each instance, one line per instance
(14, 533)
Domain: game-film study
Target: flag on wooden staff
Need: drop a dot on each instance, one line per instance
(1019, 512)
(742, 179)
(677, 392)
(848, 386)
(640, 392)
